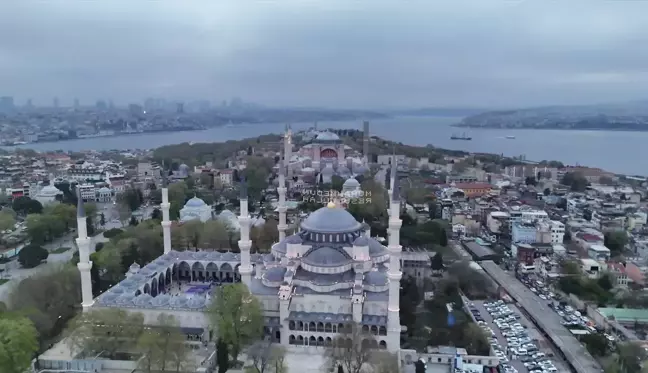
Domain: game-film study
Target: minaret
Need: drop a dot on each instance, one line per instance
(392, 181)
(244, 243)
(84, 265)
(365, 143)
(288, 150)
(282, 199)
(166, 222)
(394, 273)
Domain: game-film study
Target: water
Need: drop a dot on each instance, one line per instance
(617, 151)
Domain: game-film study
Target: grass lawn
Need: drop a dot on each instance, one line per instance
(3, 281)
(60, 250)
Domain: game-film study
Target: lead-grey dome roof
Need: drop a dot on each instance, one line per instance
(375, 278)
(195, 202)
(275, 274)
(351, 183)
(361, 241)
(294, 239)
(327, 136)
(331, 219)
(326, 256)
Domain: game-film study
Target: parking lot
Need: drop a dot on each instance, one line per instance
(514, 338)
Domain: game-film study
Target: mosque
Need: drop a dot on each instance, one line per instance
(312, 285)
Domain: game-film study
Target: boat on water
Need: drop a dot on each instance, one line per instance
(510, 137)
(462, 137)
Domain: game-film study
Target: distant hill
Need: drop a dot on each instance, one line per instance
(437, 112)
(630, 116)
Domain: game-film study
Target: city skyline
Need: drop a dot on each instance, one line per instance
(335, 54)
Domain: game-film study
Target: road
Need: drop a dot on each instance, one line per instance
(547, 320)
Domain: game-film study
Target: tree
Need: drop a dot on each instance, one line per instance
(25, 205)
(18, 343)
(131, 198)
(350, 350)
(267, 357)
(222, 356)
(436, 262)
(615, 241)
(156, 214)
(416, 195)
(163, 344)
(90, 228)
(32, 255)
(7, 219)
(236, 314)
(546, 191)
(265, 236)
(336, 183)
(630, 357)
(596, 344)
(384, 362)
(110, 331)
(48, 299)
(193, 230)
(606, 180)
(102, 219)
(576, 181)
(212, 235)
(124, 213)
(133, 221)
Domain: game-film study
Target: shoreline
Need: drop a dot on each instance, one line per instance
(552, 129)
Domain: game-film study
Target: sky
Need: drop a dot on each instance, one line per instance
(329, 53)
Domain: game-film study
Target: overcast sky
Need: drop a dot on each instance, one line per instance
(335, 53)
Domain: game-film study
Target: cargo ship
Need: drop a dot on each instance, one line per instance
(462, 137)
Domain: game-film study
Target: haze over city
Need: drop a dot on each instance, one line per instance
(369, 54)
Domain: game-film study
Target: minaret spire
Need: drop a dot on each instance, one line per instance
(394, 273)
(245, 243)
(84, 265)
(165, 205)
(282, 226)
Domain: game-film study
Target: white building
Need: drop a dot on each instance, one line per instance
(48, 195)
(88, 192)
(104, 195)
(557, 232)
(194, 209)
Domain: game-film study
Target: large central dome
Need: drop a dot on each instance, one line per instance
(331, 219)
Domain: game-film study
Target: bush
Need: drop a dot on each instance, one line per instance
(99, 246)
(110, 233)
(32, 255)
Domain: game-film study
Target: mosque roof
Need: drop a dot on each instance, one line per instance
(326, 257)
(326, 136)
(49, 191)
(195, 202)
(375, 278)
(331, 219)
(351, 183)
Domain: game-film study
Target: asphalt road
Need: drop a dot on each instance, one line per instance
(547, 319)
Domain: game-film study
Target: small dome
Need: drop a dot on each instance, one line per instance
(351, 183)
(275, 274)
(104, 190)
(375, 278)
(295, 239)
(331, 219)
(361, 241)
(196, 302)
(183, 167)
(195, 202)
(125, 300)
(143, 300)
(326, 256)
(376, 248)
(161, 300)
(178, 302)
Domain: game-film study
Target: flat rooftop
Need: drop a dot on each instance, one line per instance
(546, 318)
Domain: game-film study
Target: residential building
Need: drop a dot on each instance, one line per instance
(599, 253)
(619, 274)
(88, 192)
(472, 190)
(225, 177)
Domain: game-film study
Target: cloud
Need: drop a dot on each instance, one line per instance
(336, 53)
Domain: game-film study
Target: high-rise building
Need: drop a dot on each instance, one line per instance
(6, 103)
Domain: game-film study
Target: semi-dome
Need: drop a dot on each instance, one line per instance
(325, 256)
(361, 241)
(195, 202)
(275, 274)
(143, 300)
(295, 239)
(330, 219)
(375, 278)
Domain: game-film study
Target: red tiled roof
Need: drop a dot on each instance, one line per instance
(473, 186)
(589, 237)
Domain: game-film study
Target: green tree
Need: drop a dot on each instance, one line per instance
(211, 235)
(102, 219)
(575, 180)
(222, 356)
(546, 191)
(352, 356)
(110, 331)
(163, 344)
(336, 183)
(66, 213)
(419, 366)
(7, 220)
(132, 198)
(236, 314)
(25, 205)
(18, 343)
(133, 221)
(156, 215)
(615, 241)
(530, 180)
(32, 255)
(436, 262)
(266, 357)
(596, 344)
